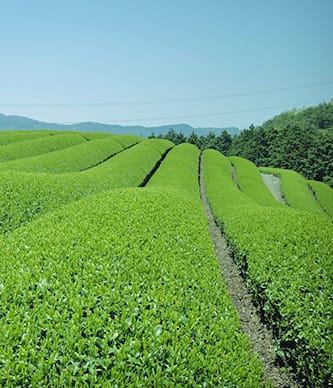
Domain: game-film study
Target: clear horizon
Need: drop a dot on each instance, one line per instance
(217, 64)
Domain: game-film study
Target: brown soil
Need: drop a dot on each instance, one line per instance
(260, 336)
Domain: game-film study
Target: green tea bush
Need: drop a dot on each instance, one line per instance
(323, 194)
(119, 289)
(71, 159)
(9, 137)
(179, 170)
(287, 259)
(295, 190)
(251, 183)
(128, 140)
(38, 146)
(24, 196)
(95, 135)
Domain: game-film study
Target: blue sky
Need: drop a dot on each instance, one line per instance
(207, 63)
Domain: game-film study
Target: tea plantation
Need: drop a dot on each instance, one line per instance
(108, 275)
(286, 256)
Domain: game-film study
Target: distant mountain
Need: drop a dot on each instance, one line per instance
(25, 123)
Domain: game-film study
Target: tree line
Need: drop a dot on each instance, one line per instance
(297, 140)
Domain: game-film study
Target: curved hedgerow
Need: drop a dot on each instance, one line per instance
(324, 195)
(160, 145)
(75, 158)
(25, 196)
(221, 170)
(251, 183)
(295, 190)
(286, 257)
(128, 140)
(95, 135)
(179, 170)
(38, 146)
(9, 137)
(120, 289)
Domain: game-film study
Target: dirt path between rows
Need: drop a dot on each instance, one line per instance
(234, 176)
(260, 336)
(273, 183)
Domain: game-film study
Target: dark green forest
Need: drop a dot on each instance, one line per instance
(300, 140)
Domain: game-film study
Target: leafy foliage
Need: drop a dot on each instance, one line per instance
(296, 140)
(75, 158)
(286, 257)
(122, 289)
(25, 196)
(324, 195)
(95, 135)
(9, 137)
(295, 190)
(251, 183)
(38, 146)
(179, 171)
(222, 142)
(320, 117)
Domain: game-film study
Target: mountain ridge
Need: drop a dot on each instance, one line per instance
(14, 122)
